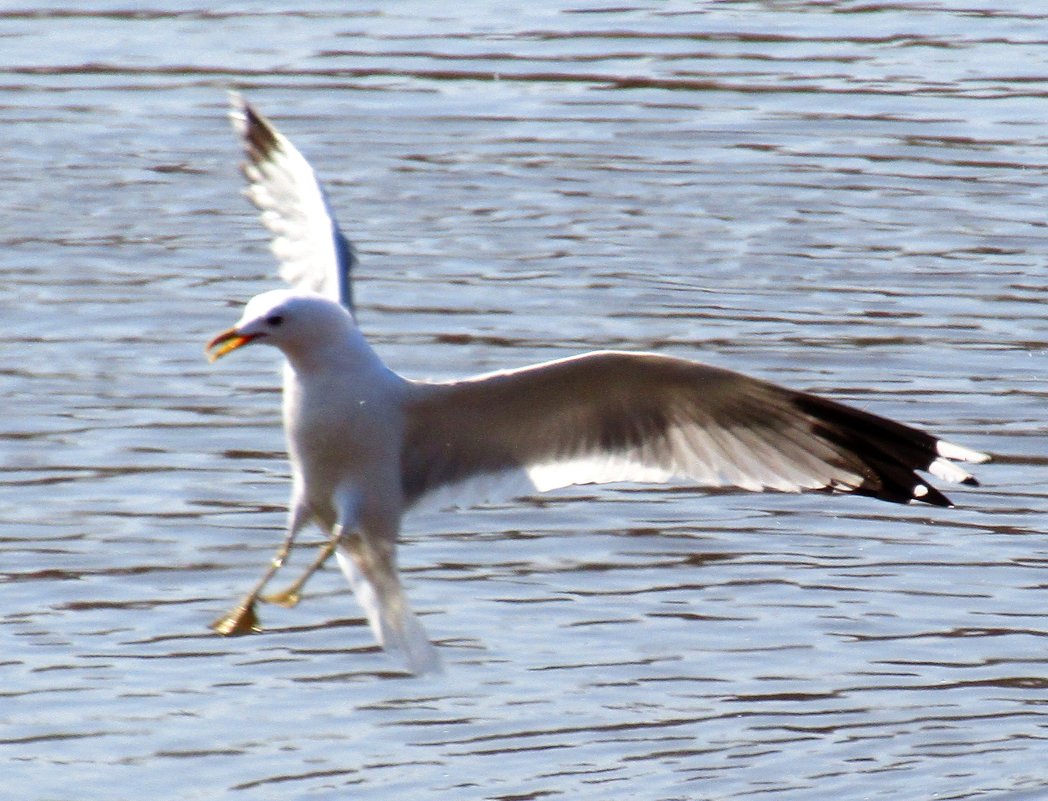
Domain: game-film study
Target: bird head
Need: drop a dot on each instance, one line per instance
(288, 320)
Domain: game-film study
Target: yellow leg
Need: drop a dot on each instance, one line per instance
(291, 595)
(241, 619)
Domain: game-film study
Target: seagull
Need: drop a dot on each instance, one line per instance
(367, 445)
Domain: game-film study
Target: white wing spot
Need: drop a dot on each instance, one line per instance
(948, 450)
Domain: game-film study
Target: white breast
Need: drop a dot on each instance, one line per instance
(343, 428)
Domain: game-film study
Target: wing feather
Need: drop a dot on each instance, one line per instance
(312, 251)
(612, 416)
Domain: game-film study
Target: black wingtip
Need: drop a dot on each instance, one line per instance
(257, 133)
(888, 453)
(928, 494)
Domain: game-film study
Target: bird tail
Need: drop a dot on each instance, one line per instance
(394, 624)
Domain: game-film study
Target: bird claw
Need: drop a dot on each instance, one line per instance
(239, 620)
(287, 598)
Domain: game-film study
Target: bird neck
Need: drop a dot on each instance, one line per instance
(348, 353)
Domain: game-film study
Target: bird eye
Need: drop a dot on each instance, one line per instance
(274, 320)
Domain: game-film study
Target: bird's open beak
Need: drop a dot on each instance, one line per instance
(226, 342)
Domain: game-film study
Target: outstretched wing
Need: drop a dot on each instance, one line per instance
(312, 251)
(611, 416)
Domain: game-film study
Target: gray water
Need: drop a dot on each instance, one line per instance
(840, 196)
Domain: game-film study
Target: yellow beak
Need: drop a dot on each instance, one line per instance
(226, 342)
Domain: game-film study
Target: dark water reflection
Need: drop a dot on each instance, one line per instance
(843, 197)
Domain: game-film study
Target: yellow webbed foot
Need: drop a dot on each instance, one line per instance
(286, 598)
(241, 619)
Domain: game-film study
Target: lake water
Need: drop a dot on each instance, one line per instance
(840, 196)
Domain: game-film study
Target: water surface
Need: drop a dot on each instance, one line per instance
(844, 197)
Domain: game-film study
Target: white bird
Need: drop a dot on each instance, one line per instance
(366, 445)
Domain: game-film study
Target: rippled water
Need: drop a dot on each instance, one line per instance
(840, 196)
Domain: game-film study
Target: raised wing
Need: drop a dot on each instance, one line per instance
(612, 416)
(312, 251)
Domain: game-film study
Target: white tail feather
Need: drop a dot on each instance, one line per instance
(394, 625)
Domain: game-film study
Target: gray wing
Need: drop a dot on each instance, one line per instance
(612, 416)
(312, 251)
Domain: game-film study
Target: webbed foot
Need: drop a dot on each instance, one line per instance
(241, 619)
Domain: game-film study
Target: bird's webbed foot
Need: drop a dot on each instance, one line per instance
(241, 619)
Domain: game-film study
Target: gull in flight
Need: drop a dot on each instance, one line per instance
(367, 445)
